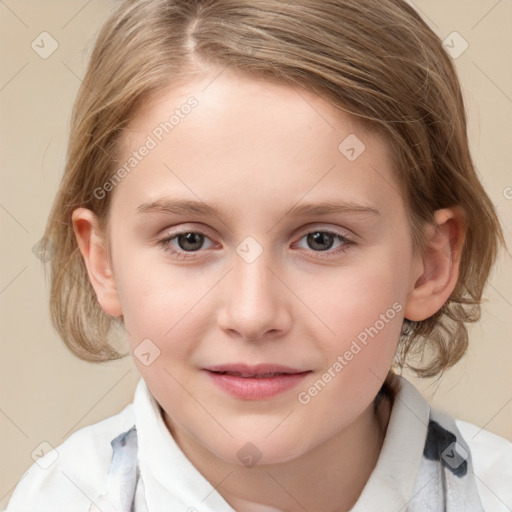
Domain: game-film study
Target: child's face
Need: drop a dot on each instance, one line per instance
(256, 289)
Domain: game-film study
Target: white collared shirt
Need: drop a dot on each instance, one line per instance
(78, 476)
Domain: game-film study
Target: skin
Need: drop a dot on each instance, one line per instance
(253, 149)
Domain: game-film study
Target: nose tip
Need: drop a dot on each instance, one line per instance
(254, 305)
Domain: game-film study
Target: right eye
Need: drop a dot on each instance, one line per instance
(187, 241)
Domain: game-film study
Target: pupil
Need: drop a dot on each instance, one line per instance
(196, 239)
(317, 239)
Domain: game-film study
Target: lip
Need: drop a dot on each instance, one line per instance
(255, 382)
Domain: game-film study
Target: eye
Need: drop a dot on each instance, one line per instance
(187, 242)
(322, 240)
(184, 244)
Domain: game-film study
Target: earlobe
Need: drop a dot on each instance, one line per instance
(440, 265)
(92, 245)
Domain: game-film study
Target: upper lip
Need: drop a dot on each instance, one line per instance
(259, 369)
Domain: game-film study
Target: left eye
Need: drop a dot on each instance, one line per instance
(319, 239)
(192, 242)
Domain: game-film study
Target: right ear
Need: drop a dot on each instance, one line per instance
(91, 242)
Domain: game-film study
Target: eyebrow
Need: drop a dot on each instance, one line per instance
(187, 207)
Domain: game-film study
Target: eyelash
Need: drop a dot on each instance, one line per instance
(165, 243)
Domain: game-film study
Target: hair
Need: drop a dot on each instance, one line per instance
(376, 60)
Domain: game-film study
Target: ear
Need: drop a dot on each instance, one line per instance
(439, 265)
(92, 245)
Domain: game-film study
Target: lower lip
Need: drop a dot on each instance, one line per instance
(252, 388)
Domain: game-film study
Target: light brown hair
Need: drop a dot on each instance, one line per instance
(375, 59)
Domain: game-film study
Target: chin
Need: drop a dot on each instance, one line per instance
(246, 452)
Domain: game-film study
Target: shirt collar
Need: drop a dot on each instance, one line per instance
(390, 486)
(171, 480)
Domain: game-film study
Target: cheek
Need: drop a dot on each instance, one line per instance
(366, 318)
(154, 296)
(364, 312)
(165, 315)
(352, 301)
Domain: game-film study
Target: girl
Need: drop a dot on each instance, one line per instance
(277, 202)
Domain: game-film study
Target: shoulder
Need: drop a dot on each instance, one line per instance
(75, 472)
(492, 464)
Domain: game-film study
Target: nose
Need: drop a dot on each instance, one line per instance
(255, 304)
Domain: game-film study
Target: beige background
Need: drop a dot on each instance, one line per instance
(46, 393)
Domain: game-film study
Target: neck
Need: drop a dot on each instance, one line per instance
(328, 478)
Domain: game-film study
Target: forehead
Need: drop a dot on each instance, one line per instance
(230, 103)
(255, 143)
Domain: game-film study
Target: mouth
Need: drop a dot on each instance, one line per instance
(255, 375)
(255, 382)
